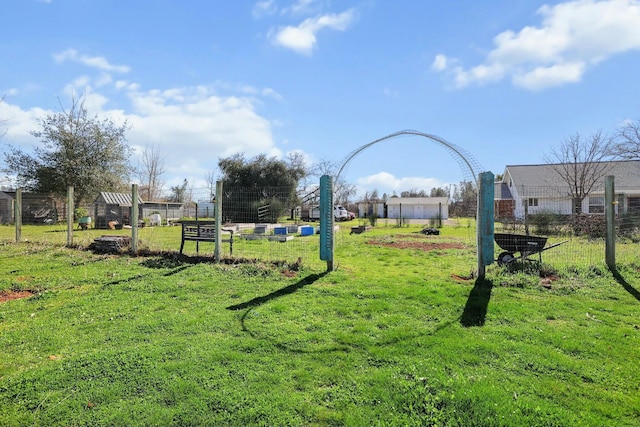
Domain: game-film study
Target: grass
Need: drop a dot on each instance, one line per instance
(393, 337)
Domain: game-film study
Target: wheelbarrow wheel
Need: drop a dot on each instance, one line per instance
(505, 258)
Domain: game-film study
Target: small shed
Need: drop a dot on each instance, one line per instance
(114, 207)
(166, 210)
(36, 208)
(418, 207)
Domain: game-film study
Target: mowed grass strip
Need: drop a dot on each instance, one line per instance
(398, 335)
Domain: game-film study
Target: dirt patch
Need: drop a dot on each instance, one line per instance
(11, 295)
(423, 245)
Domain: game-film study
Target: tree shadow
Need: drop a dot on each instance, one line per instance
(627, 287)
(475, 310)
(279, 293)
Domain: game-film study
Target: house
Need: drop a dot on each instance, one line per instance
(531, 189)
(116, 207)
(418, 207)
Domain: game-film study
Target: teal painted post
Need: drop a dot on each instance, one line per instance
(134, 218)
(326, 220)
(610, 216)
(484, 227)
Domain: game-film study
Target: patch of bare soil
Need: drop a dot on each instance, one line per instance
(9, 295)
(424, 245)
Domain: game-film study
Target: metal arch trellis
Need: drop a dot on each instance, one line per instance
(464, 159)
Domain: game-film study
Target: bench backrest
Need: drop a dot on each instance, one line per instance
(203, 229)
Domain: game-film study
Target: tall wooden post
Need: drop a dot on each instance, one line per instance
(70, 214)
(134, 218)
(610, 216)
(17, 214)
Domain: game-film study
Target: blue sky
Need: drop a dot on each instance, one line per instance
(506, 80)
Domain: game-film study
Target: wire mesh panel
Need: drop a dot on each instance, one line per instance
(578, 222)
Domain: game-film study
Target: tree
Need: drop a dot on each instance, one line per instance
(151, 172)
(414, 192)
(77, 150)
(342, 190)
(179, 193)
(581, 164)
(627, 143)
(465, 199)
(439, 192)
(252, 185)
(210, 178)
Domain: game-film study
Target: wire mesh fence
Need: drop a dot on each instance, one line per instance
(271, 224)
(577, 225)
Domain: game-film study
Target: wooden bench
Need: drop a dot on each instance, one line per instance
(203, 231)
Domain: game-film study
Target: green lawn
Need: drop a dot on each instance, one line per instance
(393, 337)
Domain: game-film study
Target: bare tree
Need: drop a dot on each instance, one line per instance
(150, 173)
(581, 164)
(210, 177)
(342, 190)
(627, 143)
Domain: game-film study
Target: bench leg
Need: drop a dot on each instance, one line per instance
(181, 247)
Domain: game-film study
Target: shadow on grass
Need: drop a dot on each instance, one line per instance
(627, 287)
(475, 311)
(280, 292)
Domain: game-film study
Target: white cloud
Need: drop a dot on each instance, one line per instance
(264, 8)
(573, 36)
(192, 126)
(98, 62)
(302, 39)
(385, 182)
(440, 63)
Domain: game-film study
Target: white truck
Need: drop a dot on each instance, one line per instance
(312, 213)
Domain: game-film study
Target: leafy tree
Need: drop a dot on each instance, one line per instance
(465, 200)
(86, 152)
(179, 193)
(250, 185)
(414, 192)
(439, 192)
(580, 163)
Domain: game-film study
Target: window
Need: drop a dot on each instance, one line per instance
(596, 204)
(533, 201)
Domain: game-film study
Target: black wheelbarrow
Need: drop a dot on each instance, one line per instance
(525, 245)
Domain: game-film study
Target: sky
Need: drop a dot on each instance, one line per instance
(506, 81)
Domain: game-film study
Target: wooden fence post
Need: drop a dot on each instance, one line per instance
(134, 218)
(70, 209)
(17, 214)
(610, 216)
(217, 211)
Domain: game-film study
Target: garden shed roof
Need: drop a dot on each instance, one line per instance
(119, 199)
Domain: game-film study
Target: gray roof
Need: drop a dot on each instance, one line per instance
(626, 173)
(120, 199)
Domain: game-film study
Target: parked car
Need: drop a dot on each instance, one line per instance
(341, 214)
